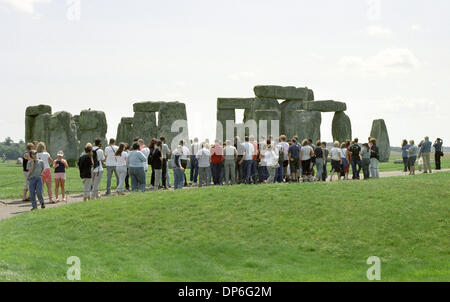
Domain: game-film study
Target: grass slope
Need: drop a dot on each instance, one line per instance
(291, 232)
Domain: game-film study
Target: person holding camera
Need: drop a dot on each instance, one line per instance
(438, 153)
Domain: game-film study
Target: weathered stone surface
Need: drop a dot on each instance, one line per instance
(76, 119)
(147, 106)
(265, 119)
(36, 110)
(289, 116)
(168, 114)
(125, 130)
(308, 124)
(324, 106)
(379, 131)
(283, 93)
(234, 103)
(341, 127)
(63, 136)
(40, 130)
(224, 115)
(144, 126)
(92, 126)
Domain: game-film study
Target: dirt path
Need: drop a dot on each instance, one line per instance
(10, 208)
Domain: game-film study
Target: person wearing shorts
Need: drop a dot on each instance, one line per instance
(306, 154)
(43, 155)
(336, 160)
(60, 165)
(294, 160)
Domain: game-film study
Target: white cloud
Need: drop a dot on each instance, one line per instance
(241, 75)
(25, 6)
(379, 31)
(387, 61)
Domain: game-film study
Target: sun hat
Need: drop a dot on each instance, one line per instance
(60, 153)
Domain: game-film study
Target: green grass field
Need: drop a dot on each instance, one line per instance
(12, 182)
(284, 232)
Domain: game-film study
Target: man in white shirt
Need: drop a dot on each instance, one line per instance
(146, 151)
(97, 171)
(195, 147)
(184, 159)
(111, 164)
(248, 158)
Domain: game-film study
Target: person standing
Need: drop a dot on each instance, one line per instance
(127, 178)
(374, 159)
(425, 150)
(294, 160)
(85, 165)
(325, 163)
(319, 154)
(178, 170)
(230, 153)
(365, 163)
(336, 160)
(254, 169)
(438, 153)
(26, 157)
(239, 160)
(97, 172)
(157, 163)
(355, 151)
(203, 156)
(146, 151)
(216, 161)
(165, 168)
(405, 147)
(247, 159)
(60, 165)
(306, 154)
(195, 147)
(121, 167)
(111, 164)
(152, 147)
(285, 147)
(45, 157)
(184, 159)
(36, 169)
(413, 150)
(271, 162)
(135, 161)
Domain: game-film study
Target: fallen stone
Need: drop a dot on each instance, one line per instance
(379, 131)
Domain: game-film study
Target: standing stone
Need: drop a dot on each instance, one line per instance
(308, 125)
(379, 131)
(168, 114)
(224, 115)
(76, 119)
(289, 115)
(92, 126)
(144, 126)
(63, 136)
(341, 127)
(41, 129)
(31, 114)
(265, 109)
(125, 131)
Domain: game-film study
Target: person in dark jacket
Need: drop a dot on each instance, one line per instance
(85, 164)
(438, 153)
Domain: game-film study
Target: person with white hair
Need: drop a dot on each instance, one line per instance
(203, 156)
(230, 153)
(195, 147)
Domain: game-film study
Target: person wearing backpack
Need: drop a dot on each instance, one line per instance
(97, 171)
(374, 159)
(279, 150)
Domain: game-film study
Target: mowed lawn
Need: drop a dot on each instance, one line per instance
(12, 180)
(284, 232)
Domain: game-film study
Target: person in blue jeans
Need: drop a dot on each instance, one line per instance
(135, 161)
(35, 168)
(178, 170)
(355, 161)
(195, 147)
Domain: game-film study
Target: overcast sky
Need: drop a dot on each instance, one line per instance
(385, 59)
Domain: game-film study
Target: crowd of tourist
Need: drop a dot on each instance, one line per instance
(270, 160)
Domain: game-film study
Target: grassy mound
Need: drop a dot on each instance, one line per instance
(290, 232)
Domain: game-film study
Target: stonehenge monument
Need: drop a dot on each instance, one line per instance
(298, 114)
(62, 131)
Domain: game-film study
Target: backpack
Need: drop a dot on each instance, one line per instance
(95, 159)
(280, 155)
